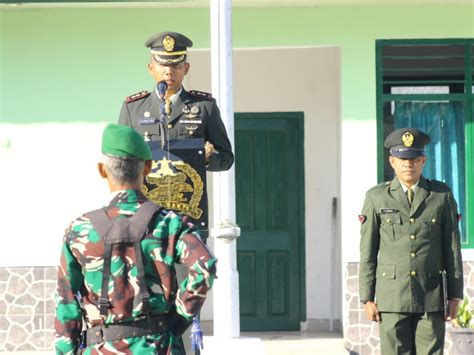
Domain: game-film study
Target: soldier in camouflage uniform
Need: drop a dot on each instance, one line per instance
(410, 245)
(126, 327)
(193, 114)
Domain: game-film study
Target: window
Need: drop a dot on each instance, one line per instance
(428, 84)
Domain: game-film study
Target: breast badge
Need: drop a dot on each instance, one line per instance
(191, 119)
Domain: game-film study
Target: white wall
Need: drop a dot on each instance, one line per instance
(48, 177)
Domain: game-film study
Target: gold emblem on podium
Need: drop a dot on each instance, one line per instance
(175, 185)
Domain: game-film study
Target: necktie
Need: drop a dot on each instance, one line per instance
(168, 106)
(410, 194)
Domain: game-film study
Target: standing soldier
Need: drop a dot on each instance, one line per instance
(409, 245)
(121, 260)
(191, 114)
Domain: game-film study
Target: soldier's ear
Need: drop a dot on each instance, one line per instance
(147, 168)
(150, 68)
(391, 160)
(186, 68)
(102, 171)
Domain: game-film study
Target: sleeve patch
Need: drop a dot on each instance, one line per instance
(137, 96)
(362, 218)
(200, 94)
(458, 216)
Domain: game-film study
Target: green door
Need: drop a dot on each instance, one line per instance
(270, 212)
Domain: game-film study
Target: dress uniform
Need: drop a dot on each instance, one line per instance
(130, 300)
(194, 114)
(408, 245)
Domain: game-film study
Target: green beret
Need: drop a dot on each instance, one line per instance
(124, 142)
(407, 143)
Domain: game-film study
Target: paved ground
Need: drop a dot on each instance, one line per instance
(277, 343)
(301, 343)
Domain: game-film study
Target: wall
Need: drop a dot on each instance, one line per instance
(89, 59)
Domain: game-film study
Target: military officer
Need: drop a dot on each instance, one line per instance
(409, 243)
(121, 258)
(190, 114)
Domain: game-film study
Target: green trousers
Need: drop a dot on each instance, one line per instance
(412, 333)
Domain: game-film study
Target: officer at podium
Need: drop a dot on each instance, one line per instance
(190, 114)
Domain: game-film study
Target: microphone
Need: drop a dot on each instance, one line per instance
(161, 88)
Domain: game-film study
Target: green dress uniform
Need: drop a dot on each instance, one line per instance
(194, 114)
(405, 251)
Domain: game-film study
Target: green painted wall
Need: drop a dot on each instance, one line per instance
(78, 64)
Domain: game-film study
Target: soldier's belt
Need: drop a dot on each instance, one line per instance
(114, 332)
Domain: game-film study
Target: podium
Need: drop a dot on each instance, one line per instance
(177, 180)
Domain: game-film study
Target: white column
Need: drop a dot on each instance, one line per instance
(225, 231)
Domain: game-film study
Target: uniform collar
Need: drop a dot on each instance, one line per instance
(173, 97)
(414, 187)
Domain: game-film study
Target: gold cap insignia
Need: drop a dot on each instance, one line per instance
(407, 139)
(168, 43)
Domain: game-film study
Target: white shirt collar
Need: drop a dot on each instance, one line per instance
(173, 97)
(414, 187)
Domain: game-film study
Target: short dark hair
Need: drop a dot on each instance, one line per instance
(124, 170)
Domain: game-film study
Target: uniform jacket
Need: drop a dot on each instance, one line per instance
(173, 241)
(403, 250)
(192, 111)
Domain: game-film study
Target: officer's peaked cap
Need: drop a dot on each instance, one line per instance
(168, 47)
(407, 143)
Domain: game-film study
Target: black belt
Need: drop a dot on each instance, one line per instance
(113, 332)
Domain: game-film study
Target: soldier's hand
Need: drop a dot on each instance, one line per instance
(452, 310)
(209, 147)
(372, 311)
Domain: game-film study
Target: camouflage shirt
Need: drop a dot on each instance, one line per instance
(173, 240)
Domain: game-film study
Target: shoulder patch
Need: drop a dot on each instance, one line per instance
(200, 94)
(137, 96)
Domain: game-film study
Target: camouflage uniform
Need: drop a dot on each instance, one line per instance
(173, 241)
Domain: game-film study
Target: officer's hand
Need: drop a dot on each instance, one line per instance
(209, 147)
(372, 312)
(452, 310)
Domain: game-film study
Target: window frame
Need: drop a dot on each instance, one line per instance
(467, 98)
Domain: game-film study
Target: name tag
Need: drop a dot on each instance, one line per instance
(388, 210)
(190, 121)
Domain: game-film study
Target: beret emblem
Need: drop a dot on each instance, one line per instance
(168, 43)
(407, 139)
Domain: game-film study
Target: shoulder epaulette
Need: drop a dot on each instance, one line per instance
(200, 94)
(137, 96)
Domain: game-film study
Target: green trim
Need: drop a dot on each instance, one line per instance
(467, 97)
(424, 97)
(379, 102)
(469, 103)
(431, 82)
(302, 229)
(429, 41)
